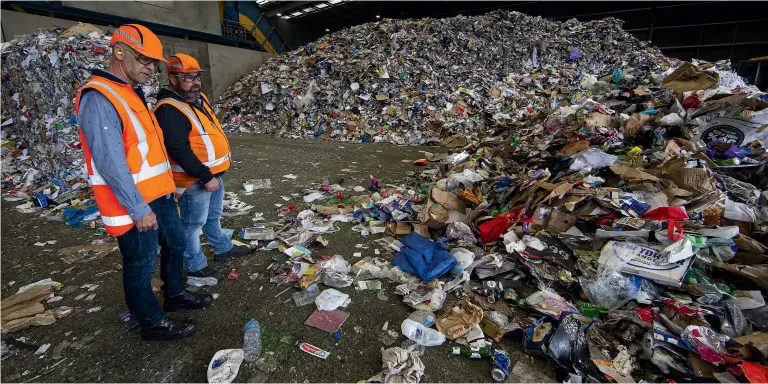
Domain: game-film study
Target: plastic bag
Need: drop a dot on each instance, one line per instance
(709, 344)
(467, 178)
(330, 299)
(568, 345)
(550, 303)
(464, 259)
(460, 232)
(335, 264)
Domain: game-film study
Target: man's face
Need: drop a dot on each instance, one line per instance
(187, 84)
(138, 67)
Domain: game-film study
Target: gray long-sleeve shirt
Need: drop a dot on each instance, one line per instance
(103, 131)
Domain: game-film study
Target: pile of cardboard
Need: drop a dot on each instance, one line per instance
(25, 309)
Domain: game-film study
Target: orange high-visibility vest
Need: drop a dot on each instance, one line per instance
(207, 139)
(144, 153)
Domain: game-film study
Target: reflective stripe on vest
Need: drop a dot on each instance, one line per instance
(116, 221)
(209, 164)
(145, 171)
(210, 150)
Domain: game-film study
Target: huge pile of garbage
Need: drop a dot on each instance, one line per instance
(623, 231)
(411, 81)
(41, 74)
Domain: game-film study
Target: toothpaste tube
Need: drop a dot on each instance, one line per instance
(314, 351)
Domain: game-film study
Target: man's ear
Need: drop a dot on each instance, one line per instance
(118, 52)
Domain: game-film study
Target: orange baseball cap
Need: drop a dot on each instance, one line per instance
(141, 39)
(182, 63)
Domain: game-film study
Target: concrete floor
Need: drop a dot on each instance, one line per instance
(104, 351)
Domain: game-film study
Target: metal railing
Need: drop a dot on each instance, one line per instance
(237, 31)
(245, 32)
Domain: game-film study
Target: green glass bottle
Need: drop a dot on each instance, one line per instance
(473, 353)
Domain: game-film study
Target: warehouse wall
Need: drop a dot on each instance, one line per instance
(228, 64)
(225, 64)
(200, 16)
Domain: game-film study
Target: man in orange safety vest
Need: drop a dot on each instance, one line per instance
(133, 184)
(199, 153)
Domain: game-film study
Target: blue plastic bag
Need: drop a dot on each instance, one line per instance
(423, 257)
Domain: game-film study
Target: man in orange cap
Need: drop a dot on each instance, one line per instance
(199, 154)
(133, 184)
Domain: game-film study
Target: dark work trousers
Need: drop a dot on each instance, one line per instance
(139, 250)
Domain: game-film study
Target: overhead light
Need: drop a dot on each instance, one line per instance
(335, 1)
(279, 14)
(297, 13)
(286, 17)
(378, 16)
(260, 2)
(327, 30)
(321, 5)
(308, 10)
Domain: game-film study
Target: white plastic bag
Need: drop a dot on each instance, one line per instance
(330, 299)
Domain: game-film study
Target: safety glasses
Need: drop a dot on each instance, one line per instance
(144, 60)
(189, 78)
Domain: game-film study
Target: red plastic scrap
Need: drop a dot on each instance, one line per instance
(754, 372)
(492, 229)
(692, 101)
(685, 309)
(671, 215)
(645, 314)
(605, 219)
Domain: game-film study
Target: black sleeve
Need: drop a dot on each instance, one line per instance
(176, 128)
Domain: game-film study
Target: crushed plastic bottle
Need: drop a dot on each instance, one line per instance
(427, 318)
(252, 340)
(421, 334)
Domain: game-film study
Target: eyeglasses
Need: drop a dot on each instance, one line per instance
(144, 60)
(189, 78)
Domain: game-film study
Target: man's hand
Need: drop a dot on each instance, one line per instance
(212, 186)
(146, 223)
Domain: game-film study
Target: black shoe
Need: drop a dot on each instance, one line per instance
(235, 252)
(169, 329)
(206, 272)
(188, 300)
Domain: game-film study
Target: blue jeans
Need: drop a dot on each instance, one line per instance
(202, 209)
(139, 250)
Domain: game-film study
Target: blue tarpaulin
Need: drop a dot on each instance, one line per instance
(74, 216)
(423, 257)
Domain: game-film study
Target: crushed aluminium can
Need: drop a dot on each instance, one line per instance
(500, 369)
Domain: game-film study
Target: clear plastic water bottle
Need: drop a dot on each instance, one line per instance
(423, 317)
(421, 334)
(252, 340)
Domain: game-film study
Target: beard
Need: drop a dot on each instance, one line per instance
(191, 95)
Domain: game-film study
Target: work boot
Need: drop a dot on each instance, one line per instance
(206, 272)
(235, 252)
(188, 300)
(169, 329)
